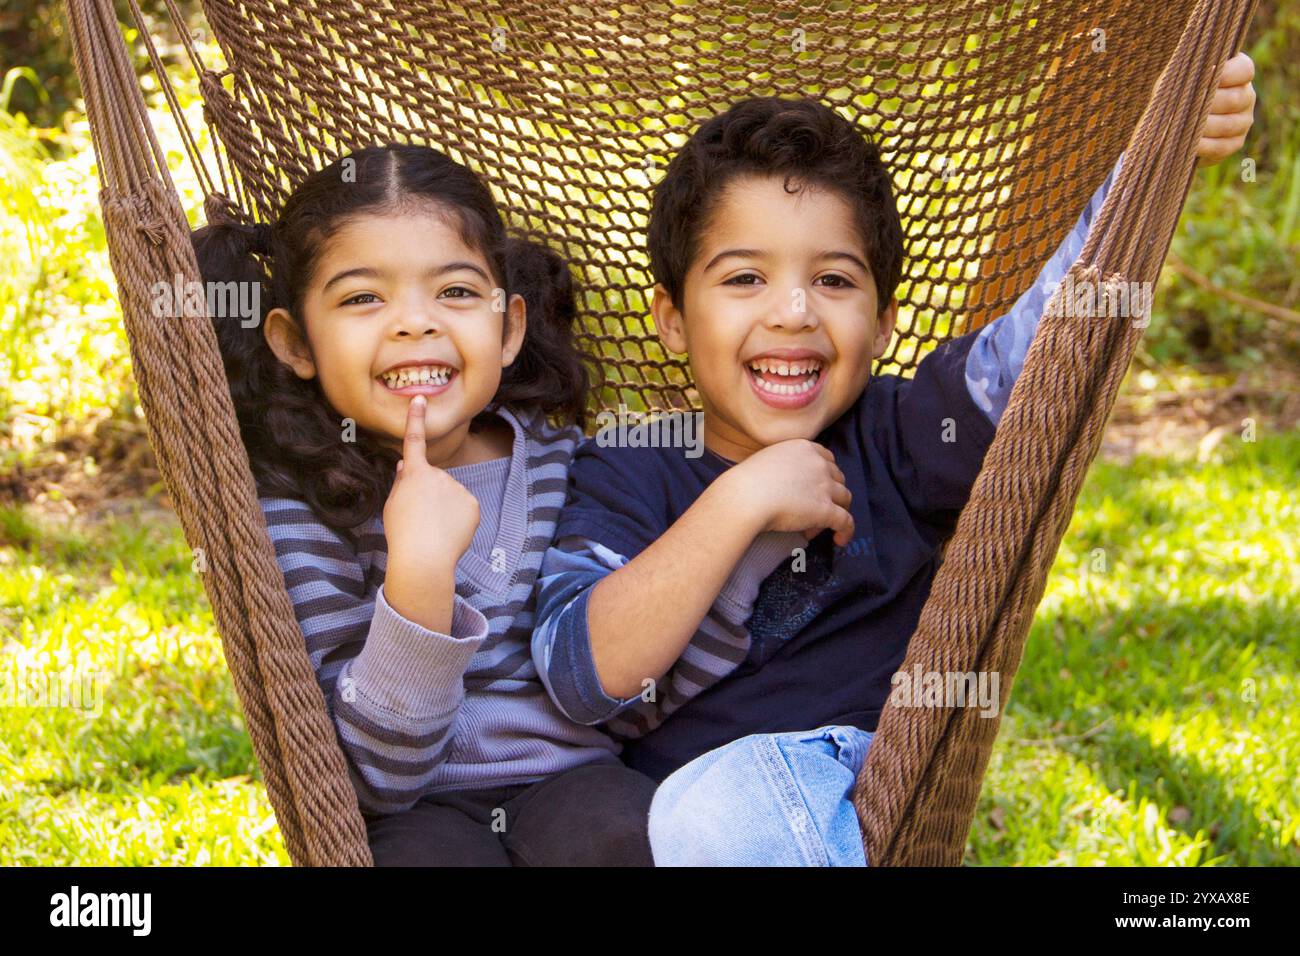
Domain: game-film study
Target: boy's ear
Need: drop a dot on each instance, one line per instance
(668, 321)
(287, 342)
(516, 321)
(885, 329)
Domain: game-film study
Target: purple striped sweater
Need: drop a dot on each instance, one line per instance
(419, 712)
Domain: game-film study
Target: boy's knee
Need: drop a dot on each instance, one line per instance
(693, 814)
(685, 825)
(764, 800)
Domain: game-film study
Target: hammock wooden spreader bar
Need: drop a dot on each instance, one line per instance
(1038, 121)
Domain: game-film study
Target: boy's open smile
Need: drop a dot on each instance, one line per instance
(787, 377)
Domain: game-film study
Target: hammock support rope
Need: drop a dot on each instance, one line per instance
(560, 128)
(916, 795)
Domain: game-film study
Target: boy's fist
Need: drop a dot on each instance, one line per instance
(1232, 112)
(796, 486)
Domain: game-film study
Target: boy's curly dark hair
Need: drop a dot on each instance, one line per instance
(292, 434)
(803, 141)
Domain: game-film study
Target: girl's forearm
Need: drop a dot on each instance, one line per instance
(641, 617)
(396, 702)
(426, 599)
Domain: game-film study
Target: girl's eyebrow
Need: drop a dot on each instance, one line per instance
(365, 272)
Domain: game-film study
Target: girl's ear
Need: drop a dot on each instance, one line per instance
(516, 325)
(286, 341)
(668, 321)
(885, 329)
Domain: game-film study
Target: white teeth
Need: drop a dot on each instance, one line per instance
(417, 375)
(803, 367)
(776, 389)
(809, 370)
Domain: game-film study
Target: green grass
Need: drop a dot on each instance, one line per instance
(1175, 667)
(164, 772)
(1171, 631)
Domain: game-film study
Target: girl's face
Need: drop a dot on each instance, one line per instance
(400, 306)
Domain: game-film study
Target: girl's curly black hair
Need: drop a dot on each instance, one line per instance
(292, 434)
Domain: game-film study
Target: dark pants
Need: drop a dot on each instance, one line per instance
(593, 816)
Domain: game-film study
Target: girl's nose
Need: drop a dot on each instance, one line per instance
(417, 319)
(417, 330)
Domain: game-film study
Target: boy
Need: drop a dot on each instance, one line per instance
(696, 604)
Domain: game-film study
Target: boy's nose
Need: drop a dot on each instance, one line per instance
(793, 310)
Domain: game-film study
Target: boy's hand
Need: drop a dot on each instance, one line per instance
(429, 521)
(1232, 112)
(795, 485)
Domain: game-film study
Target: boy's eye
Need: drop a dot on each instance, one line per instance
(836, 281)
(747, 278)
(459, 292)
(359, 298)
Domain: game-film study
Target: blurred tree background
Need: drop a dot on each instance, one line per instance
(93, 568)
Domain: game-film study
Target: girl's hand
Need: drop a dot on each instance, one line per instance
(1232, 112)
(794, 485)
(429, 521)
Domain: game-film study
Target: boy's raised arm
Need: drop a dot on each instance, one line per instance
(997, 357)
(945, 416)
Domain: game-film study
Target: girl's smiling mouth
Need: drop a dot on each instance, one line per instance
(418, 378)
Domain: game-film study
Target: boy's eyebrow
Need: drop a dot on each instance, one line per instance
(840, 254)
(758, 253)
(737, 253)
(365, 272)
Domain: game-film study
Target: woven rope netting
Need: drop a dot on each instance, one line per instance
(998, 119)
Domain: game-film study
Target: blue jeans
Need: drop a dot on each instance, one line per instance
(764, 800)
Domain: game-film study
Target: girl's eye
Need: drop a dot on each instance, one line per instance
(743, 279)
(459, 292)
(357, 299)
(837, 281)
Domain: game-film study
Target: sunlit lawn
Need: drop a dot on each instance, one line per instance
(1154, 719)
(1174, 665)
(164, 773)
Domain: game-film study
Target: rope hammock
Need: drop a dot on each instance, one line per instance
(999, 119)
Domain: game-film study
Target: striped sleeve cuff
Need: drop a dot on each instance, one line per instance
(735, 602)
(411, 671)
(571, 670)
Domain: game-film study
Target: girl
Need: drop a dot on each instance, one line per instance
(395, 403)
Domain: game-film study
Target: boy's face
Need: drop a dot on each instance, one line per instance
(780, 316)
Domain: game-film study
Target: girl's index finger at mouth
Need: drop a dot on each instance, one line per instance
(413, 446)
